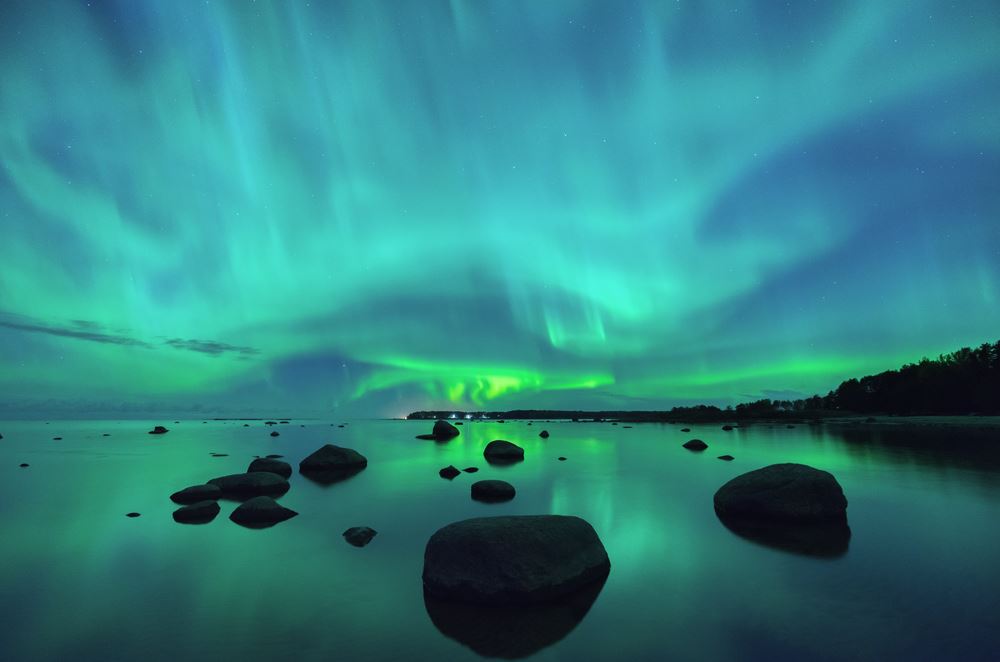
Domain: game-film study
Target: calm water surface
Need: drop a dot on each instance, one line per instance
(920, 579)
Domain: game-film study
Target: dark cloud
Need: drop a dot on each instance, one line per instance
(77, 331)
(210, 347)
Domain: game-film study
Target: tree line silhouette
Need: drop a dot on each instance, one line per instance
(966, 381)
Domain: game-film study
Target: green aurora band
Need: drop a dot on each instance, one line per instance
(374, 207)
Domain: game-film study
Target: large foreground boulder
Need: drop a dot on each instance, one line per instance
(272, 465)
(501, 451)
(260, 512)
(443, 430)
(332, 463)
(492, 491)
(793, 493)
(201, 512)
(513, 560)
(245, 486)
(196, 493)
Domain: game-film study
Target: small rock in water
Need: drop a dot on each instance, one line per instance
(56, 438)
(159, 429)
(24, 465)
(544, 434)
(275, 434)
(449, 472)
(500, 450)
(561, 458)
(695, 445)
(272, 465)
(273, 456)
(333, 459)
(470, 470)
(626, 426)
(783, 492)
(493, 491)
(443, 431)
(261, 512)
(219, 454)
(200, 512)
(246, 425)
(727, 458)
(196, 493)
(359, 536)
(727, 428)
(106, 435)
(685, 429)
(131, 514)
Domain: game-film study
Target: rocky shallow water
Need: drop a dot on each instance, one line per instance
(917, 577)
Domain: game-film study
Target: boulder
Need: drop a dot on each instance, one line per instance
(449, 472)
(261, 512)
(502, 451)
(793, 493)
(283, 469)
(200, 512)
(695, 445)
(333, 458)
(247, 485)
(196, 493)
(359, 536)
(544, 434)
(492, 491)
(443, 430)
(513, 560)
(159, 429)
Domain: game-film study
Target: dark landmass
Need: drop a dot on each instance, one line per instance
(963, 383)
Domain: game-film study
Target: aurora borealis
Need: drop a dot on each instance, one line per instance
(375, 207)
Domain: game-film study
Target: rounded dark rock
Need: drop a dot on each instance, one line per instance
(685, 429)
(443, 430)
(561, 458)
(274, 466)
(727, 428)
(513, 560)
(261, 512)
(159, 429)
(332, 459)
(544, 434)
(695, 445)
(56, 438)
(359, 536)
(493, 491)
(247, 485)
(197, 493)
(727, 458)
(132, 514)
(783, 493)
(24, 465)
(275, 434)
(199, 512)
(503, 451)
(449, 472)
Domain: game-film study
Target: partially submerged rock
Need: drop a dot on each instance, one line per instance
(275, 434)
(470, 470)
(261, 512)
(197, 493)
(449, 472)
(443, 430)
(695, 445)
(501, 451)
(272, 465)
(330, 464)
(793, 493)
(359, 536)
(159, 429)
(200, 512)
(513, 560)
(544, 434)
(132, 514)
(248, 485)
(493, 491)
(727, 458)
(727, 428)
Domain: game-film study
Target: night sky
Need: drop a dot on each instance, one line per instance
(365, 208)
